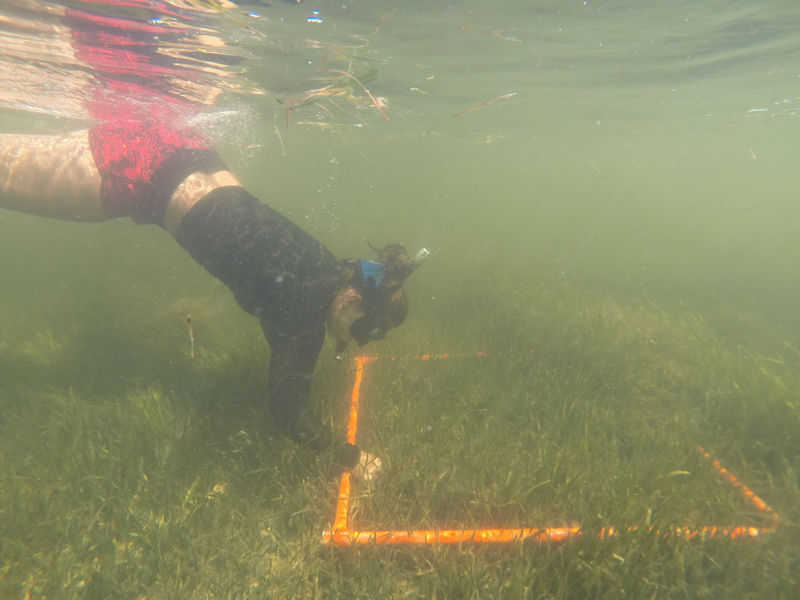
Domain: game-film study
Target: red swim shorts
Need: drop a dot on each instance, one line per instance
(142, 163)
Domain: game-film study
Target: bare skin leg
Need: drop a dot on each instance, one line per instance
(51, 176)
(56, 176)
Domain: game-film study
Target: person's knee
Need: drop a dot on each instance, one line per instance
(190, 191)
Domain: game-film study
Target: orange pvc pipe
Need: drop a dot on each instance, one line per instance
(447, 536)
(342, 503)
(341, 535)
(352, 422)
(760, 505)
(343, 500)
(346, 537)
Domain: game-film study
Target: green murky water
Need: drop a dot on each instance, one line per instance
(628, 214)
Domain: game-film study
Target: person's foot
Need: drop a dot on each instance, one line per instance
(368, 467)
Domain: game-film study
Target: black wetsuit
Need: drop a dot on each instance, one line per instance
(286, 278)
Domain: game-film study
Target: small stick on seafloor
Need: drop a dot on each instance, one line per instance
(191, 335)
(469, 110)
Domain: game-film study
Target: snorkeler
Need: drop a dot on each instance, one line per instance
(276, 271)
(141, 159)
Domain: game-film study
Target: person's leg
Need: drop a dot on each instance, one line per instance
(58, 176)
(51, 176)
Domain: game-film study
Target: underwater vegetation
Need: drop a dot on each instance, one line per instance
(162, 477)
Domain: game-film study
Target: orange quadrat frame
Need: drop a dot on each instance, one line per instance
(343, 533)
